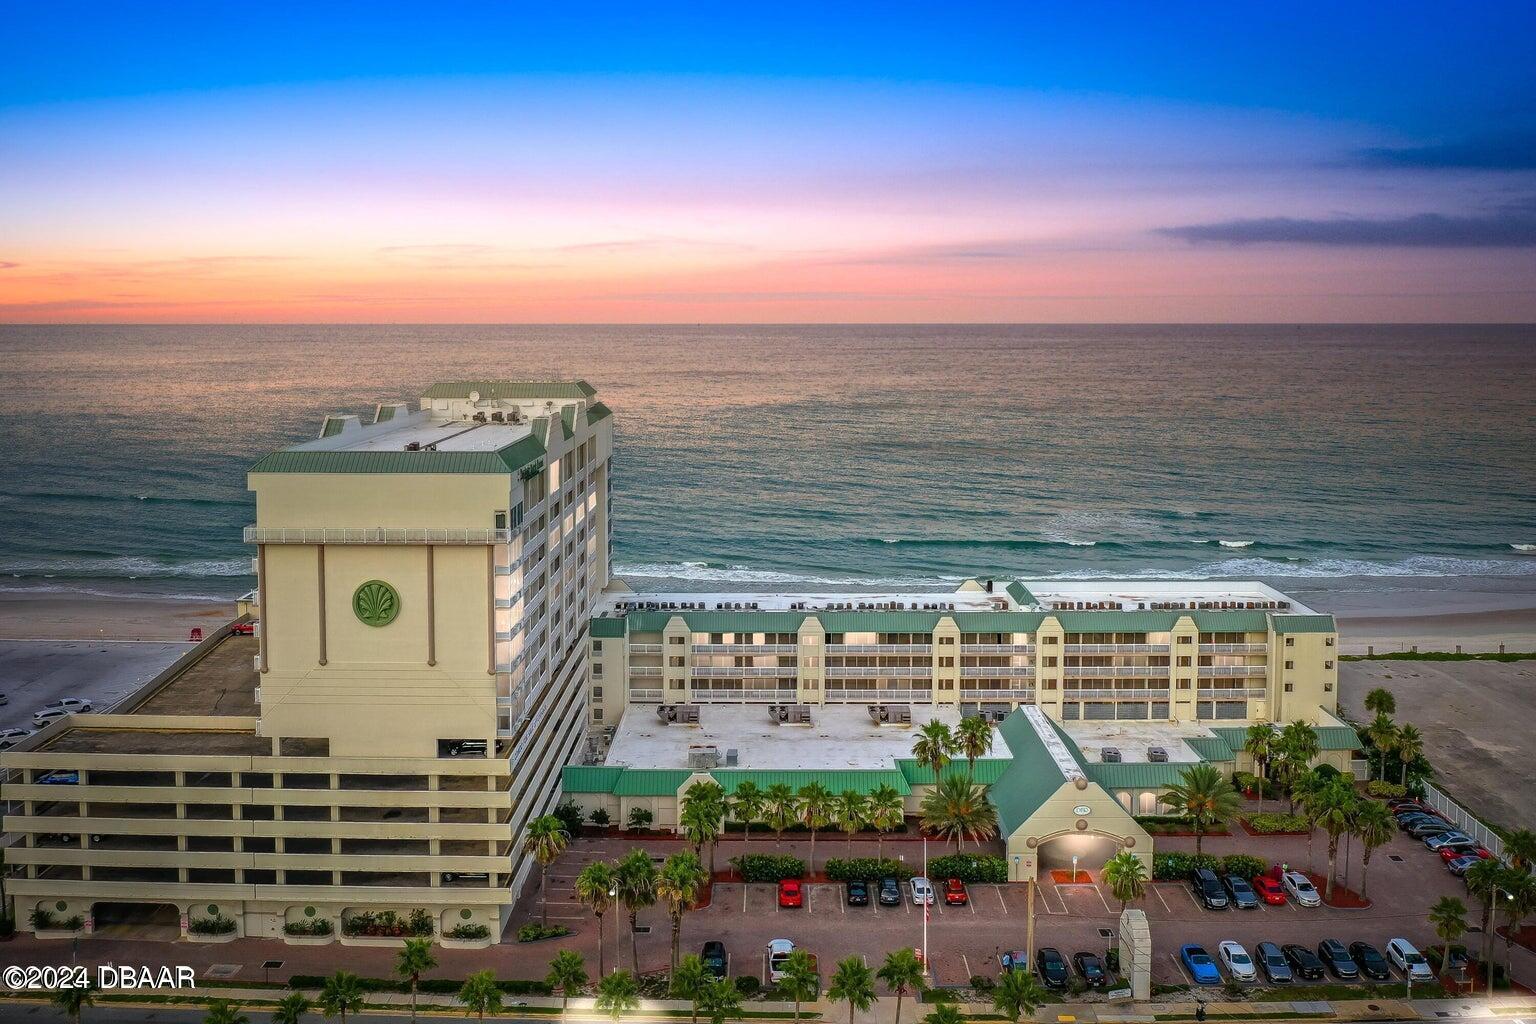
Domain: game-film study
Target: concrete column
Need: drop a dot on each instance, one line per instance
(320, 580)
(432, 607)
(261, 582)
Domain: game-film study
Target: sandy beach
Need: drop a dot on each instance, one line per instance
(47, 616)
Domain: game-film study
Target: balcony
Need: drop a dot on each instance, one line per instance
(879, 672)
(744, 671)
(1117, 671)
(638, 696)
(879, 648)
(645, 648)
(1022, 693)
(1231, 693)
(996, 671)
(1233, 671)
(739, 648)
(1234, 648)
(645, 670)
(727, 696)
(878, 696)
(1126, 694)
(376, 535)
(997, 648)
(1117, 648)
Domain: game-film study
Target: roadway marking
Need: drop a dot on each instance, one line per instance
(1001, 901)
(1160, 899)
(1047, 903)
(964, 960)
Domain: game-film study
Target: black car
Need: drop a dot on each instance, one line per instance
(1243, 896)
(1051, 967)
(1333, 953)
(713, 956)
(858, 893)
(1304, 963)
(1208, 890)
(1370, 961)
(1091, 968)
(1272, 962)
(890, 892)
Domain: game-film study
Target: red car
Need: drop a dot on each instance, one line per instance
(790, 893)
(954, 893)
(1269, 890)
(243, 629)
(1450, 853)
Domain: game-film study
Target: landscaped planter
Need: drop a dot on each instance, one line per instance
(309, 940)
(58, 933)
(383, 941)
(448, 943)
(208, 937)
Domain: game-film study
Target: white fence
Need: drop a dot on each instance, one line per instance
(1463, 819)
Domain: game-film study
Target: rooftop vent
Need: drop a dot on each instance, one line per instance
(1157, 755)
(703, 755)
(1110, 755)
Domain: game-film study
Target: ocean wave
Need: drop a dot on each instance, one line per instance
(1525, 549)
(130, 567)
(126, 593)
(1235, 543)
(1322, 568)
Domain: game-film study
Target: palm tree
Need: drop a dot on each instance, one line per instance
(720, 1001)
(703, 816)
(1259, 744)
(944, 1013)
(545, 840)
(1375, 827)
(815, 811)
(1520, 849)
(1335, 814)
(1409, 748)
(1380, 701)
(480, 994)
(1306, 792)
(1298, 745)
(747, 805)
(690, 979)
(1449, 918)
(798, 978)
(933, 747)
(781, 808)
(414, 960)
(222, 1011)
(617, 994)
(636, 878)
(1126, 877)
(903, 972)
(959, 808)
(851, 812)
(341, 994)
(567, 975)
(974, 739)
(886, 813)
(1204, 797)
(1017, 994)
(680, 885)
(291, 1009)
(1519, 903)
(73, 1001)
(852, 983)
(1485, 880)
(595, 888)
(1383, 735)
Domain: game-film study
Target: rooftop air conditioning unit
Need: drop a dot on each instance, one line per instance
(1110, 755)
(667, 713)
(732, 757)
(703, 756)
(879, 713)
(1157, 755)
(688, 714)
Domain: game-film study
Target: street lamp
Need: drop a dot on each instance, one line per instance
(1493, 922)
(1074, 869)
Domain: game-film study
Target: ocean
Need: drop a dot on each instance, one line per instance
(1324, 458)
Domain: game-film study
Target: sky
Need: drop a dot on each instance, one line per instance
(493, 162)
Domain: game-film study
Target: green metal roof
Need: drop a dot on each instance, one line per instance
(718, 622)
(988, 770)
(1020, 593)
(1139, 775)
(595, 778)
(505, 460)
(650, 781)
(607, 627)
(878, 621)
(1032, 777)
(1211, 748)
(1329, 737)
(998, 622)
(860, 780)
(512, 390)
(598, 411)
(568, 422)
(1305, 624)
(1234, 621)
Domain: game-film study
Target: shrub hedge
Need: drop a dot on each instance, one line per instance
(1177, 867)
(309, 926)
(1385, 790)
(1270, 824)
(468, 930)
(218, 924)
(768, 867)
(533, 931)
(847, 869)
(969, 867)
(428, 986)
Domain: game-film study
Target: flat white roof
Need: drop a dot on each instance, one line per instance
(1131, 593)
(1132, 738)
(781, 601)
(839, 736)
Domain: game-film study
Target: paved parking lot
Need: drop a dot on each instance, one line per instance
(34, 673)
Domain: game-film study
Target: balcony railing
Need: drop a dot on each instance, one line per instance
(645, 648)
(743, 671)
(997, 648)
(1117, 648)
(1022, 693)
(1117, 671)
(645, 670)
(995, 671)
(1126, 694)
(1231, 693)
(742, 648)
(375, 535)
(879, 672)
(638, 696)
(879, 648)
(1233, 670)
(1234, 648)
(728, 695)
(878, 696)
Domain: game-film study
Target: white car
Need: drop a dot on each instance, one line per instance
(1237, 961)
(1301, 889)
(922, 891)
(1409, 960)
(778, 953)
(58, 709)
(10, 737)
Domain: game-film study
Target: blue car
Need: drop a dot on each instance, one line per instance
(1199, 965)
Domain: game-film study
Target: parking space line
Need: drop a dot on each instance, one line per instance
(1047, 903)
(1000, 900)
(1160, 899)
(964, 960)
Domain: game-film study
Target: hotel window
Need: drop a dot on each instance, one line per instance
(948, 662)
(946, 684)
(1184, 661)
(1327, 687)
(597, 668)
(1049, 640)
(1049, 661)
(1050, 684)
(812, 684)
(674, 640)
(1328, 664)
(1183, 684)
(1290, 664)
(1327, 641)
(676, 661)
(597, 647)
(1290, 641)
(1186, 639)
(947, 640)
(677, 684)
(597, 714)
(597, 693)
(1290, 687)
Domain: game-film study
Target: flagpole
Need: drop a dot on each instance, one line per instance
(926, 906)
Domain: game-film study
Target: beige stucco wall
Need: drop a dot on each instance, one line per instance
(1057, 820)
